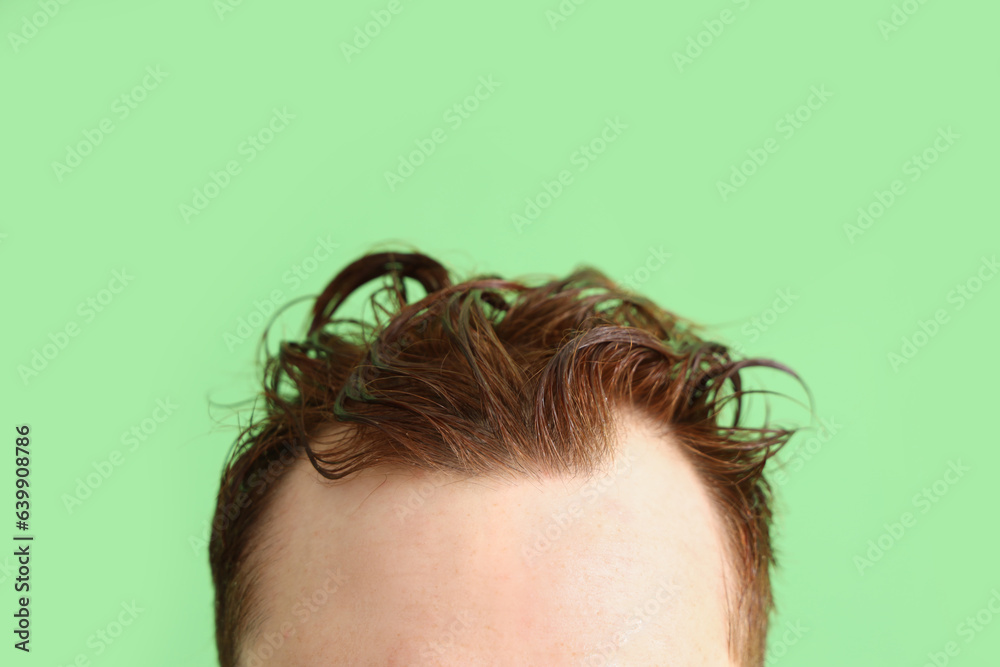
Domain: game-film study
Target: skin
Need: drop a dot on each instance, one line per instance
(399, 567)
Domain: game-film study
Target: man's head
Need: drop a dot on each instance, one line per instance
(497, 473)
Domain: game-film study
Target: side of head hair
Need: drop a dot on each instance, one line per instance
(499, 378)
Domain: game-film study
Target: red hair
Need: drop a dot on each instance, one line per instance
(495, 377)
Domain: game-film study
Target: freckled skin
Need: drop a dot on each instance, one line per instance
(627, 568)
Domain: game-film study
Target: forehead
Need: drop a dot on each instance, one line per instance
(404, 567)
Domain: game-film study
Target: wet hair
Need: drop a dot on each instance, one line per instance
(494, 377)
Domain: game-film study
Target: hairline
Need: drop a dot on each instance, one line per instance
(263, 548)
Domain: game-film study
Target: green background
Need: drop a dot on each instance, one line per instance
(855, 293)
